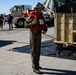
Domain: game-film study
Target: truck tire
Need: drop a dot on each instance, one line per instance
(48, 24)
(20, 23)
(52, 22)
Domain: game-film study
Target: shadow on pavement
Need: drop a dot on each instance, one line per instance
(48, 48)
(5, 42)
(44, 47)
(58, 72)
(4, 30)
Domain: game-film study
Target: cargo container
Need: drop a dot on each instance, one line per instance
(65, 29)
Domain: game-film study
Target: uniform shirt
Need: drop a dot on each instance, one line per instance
(10, 19)
(41, 20)
(1, 19)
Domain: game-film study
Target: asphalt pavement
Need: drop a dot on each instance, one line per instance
(15, 56)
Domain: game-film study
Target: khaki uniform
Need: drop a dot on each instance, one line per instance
(35, 48)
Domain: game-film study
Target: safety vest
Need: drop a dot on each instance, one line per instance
(41, 22)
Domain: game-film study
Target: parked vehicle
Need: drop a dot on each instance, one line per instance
(64, 21)
(18, 12)
(47, 18)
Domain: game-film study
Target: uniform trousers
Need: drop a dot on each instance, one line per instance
(10, 26)
(1, 24)
(35, 48)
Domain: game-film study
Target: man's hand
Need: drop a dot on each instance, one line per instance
(44, 32)
(34, 22)
(28, 25)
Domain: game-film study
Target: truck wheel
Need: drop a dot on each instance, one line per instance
(52, 22)
(20, 23)
(48, 24)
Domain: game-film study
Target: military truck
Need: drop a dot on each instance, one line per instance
(18, 12)
(64, 12)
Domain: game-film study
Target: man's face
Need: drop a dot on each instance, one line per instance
(38, 10)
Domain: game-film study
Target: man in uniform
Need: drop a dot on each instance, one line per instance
(10, 19)
(38, 26)
(1, 21)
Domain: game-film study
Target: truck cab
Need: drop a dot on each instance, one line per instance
(17, 12)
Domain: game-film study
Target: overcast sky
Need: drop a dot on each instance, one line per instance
(5, 5)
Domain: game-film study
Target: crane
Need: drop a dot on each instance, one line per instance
(64, 21)
(59, 5)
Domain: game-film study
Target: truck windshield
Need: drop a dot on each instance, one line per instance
(16, 9)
